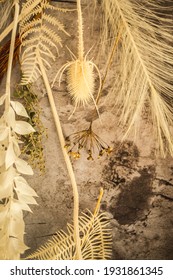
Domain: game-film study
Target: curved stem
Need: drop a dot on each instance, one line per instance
(66, 158)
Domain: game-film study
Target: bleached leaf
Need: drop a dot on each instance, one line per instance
(23, 187)
(2, 157)
(10, 156)
(26, 199)
(17, 246)
(18, 206)
(23, 167)
(10, 117)
(4, 131)
(6, 182)
(16, 147)
(23, 128)
(19, 109)
(3, 214)
(2, 99)
(16, 226)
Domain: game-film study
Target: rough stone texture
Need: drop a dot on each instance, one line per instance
(138, 187)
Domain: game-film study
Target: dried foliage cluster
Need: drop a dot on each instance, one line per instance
(38, 42)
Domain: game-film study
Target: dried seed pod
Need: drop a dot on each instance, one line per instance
(80, 82)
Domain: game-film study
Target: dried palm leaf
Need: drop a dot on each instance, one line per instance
(145, 64)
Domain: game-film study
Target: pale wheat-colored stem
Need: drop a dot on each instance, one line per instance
(10, 59)
(80, 31)
(66, 158)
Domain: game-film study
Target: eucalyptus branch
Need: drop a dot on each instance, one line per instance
(15, 193)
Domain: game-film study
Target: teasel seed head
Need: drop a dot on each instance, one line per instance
(80, 82)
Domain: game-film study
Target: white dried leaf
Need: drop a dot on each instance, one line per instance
(18, 206)
(16, 146)
(15, 248)
(23, 128)
(4, 131)
(10, 117)
(26, 199)
(23, 187)
(16, 225)
(6, 182)
(10, 156)
(2, 157)
(3, 214)
(23, 167)
(19, 109)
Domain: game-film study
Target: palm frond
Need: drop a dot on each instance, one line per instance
(95, 241)
(38, 39)
(145, 64)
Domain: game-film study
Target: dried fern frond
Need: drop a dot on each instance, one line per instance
(38, 39)
(145, 64)
(95, 241)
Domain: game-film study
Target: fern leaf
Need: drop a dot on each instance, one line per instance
(54, 22)
(31, 24)
(145, 64)
(29, 13)
(95, 241)
(52, 35)
(38, 40)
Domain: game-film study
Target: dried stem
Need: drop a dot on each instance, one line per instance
(10, 59)
(66, 158)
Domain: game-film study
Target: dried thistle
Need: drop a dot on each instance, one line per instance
(88, 140)
(80, 72)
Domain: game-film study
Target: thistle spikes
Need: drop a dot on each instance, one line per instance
(80, 72)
